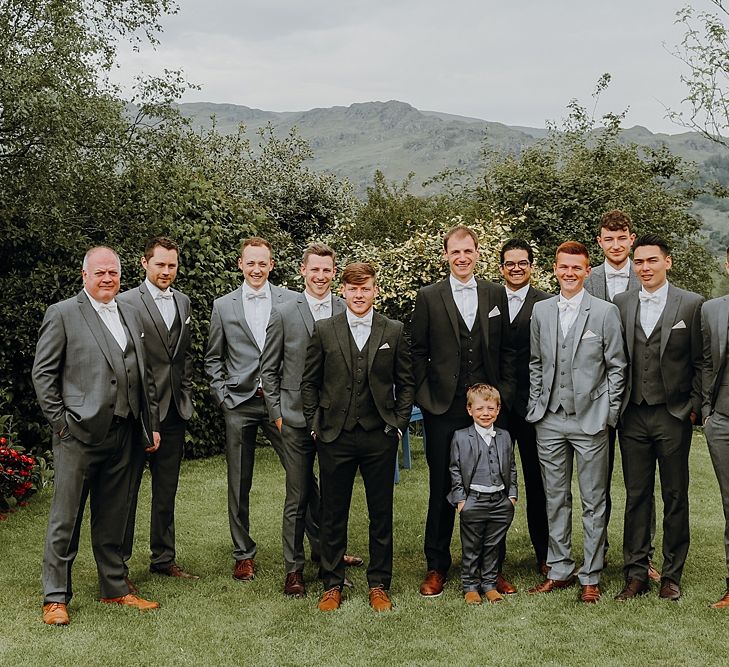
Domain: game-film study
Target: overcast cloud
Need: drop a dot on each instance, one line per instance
(517, 62)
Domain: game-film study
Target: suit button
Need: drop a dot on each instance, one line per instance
(113, 382)
(561, 386)
(111, 407)
(562, 373)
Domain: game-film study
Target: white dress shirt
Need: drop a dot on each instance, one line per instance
(320, 308)
(466, 298)
(109, 315)
(568, 310)
(164, 301)
(488, 435)
(257, 309)
(616, 279)
(516, 300)
(651, 307)
(361, 327)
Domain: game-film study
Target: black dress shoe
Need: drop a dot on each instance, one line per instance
(633, 588)
(670, 590)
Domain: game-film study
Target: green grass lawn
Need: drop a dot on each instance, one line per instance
(220, 621)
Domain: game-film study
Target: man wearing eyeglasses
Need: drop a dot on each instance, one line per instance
(516, 262)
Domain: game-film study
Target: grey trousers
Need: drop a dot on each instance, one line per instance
(103, 472)
(560, 440)
(716, 430)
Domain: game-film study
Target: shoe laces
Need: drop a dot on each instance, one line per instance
(378, 593)
(331, 593)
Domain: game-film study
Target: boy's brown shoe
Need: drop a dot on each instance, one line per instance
(55, 613)
(493, 596)
(472, 597)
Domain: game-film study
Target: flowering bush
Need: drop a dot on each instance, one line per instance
(20, 474)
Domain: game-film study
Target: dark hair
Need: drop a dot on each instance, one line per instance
(320, 250)
(516, 244)
(163, 242)
(573, 248)
(357, 273)
(256, 241)
(652, 239)
(459, 230)
(615, 221)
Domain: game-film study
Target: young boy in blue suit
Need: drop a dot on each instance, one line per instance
(483, 475)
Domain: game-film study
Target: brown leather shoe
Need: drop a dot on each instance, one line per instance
(55, 613)
(590, 593)
(503, 586)
(472, 597)
(294, 585)
(549, 585)
(653, 574)
(352, 561)
(130, 585)
(171, 570)
(245, 570)
(130, 600)
(723, 603)
(633, 588)
(433, 583)
(493, 596)
(379, 599)
(670, 590)
(330, 600)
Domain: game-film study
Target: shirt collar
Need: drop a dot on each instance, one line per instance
(455, 282)
(312, 300)
(610, 270)
(155, 291)
(661, 292)
(367, 319)
(96, 304)
(576, 299)
(521, 292)
(485, 432)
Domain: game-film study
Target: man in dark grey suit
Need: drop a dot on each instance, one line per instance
(662, 329)
(614, 276)
(165, 315)
(357, 393)
(516, 262)
(92, 385)
(233, 361)
(577, 373)
(282, 367)
(715, 406)
(458, 339)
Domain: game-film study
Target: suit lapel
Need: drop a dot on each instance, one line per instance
(376, 333)
(502, 450)
(633, 282)
(631, 321)
(156, 316)
(183, 316)
(338, 305)
(552, 324)
(94, 322)
(450, 305)
(581, 321)
(484, 308)
(723, 327)
(524, 316)
(240, 315)
(673, 301)
(341, 328)
(305, 313)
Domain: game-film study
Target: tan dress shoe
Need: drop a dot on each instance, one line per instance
(503, 586)
(330, 600)
(433, 583)
(172, 570)
(472, 597)
(245, 570)
(130, 600)
(55, 613)
(549, 585)
(590, 593)
(379, 599)
(493, 596)
(723, 603)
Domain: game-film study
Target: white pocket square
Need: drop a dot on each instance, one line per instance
(386, 346)
(589, 334)
(494, 312)
(679, 325)
(187, 321)
(141, 334)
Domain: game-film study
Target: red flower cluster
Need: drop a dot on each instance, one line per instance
(16, 470)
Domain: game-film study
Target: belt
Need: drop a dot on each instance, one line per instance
(496, 495)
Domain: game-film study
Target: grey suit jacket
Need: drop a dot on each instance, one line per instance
(172, 369)
(232, 358)
(73, 374)
(282, 362)
(598, 362)
(596, 282)
(714, 326)
(681, 347)
(464, 459)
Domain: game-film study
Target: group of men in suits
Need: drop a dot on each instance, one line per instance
(331, 377)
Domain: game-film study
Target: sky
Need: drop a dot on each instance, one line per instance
(518, 62)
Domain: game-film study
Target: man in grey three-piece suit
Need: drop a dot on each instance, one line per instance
(233, 361)
(92, 385)
(282, 367)
(165, 315)
(577, 376)
(715, 406)
(662, 401)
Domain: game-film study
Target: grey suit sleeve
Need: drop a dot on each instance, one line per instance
(707, 369)
(457, 493)
(215, 356)
(50, 353)
(404, 382)
(513, 480)
(616, 362)
(419, 336)
(271, 359)
(536, 369)
(697, 349)
(187, 385)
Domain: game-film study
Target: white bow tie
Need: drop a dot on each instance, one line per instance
(321, 305)
(567, 305)
(515, 297)
(256, 295)
(461, 287)
(490, 433)
(163, 295)
(623, 273)
(109, 307)
(359, 323)
(647, 297)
